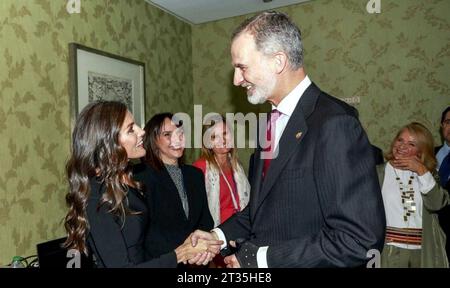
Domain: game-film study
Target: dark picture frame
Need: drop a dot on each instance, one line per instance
(99, 75)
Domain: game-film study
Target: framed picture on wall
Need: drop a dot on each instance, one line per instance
(98, 75)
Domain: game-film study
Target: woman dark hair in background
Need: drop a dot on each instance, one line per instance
(107, 210)
(176, 194)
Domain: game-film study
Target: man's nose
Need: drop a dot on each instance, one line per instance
(238, 78)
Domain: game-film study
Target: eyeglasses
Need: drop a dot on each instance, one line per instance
(446, 122)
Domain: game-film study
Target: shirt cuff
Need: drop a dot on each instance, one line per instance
(221, 236)
(426, 183)
(261, 257)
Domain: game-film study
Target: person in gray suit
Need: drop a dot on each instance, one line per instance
(317, 203)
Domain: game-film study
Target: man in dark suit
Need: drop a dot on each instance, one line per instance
(318, 202)
(443, 156)
(442, 152)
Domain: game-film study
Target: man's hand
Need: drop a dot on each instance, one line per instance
(212, 243)
(201, 258)
(231, 261)
(200, 254)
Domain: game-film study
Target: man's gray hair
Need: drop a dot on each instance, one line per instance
(274, 31)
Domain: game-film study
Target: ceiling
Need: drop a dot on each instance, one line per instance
(201, 11)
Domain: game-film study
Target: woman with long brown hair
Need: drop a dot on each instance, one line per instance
(107, 212)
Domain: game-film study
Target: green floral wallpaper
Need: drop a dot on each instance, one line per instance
(397, 62)
(34, 110)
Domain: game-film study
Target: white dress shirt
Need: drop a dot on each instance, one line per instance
(286, 107)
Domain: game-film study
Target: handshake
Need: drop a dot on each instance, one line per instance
(201, 247)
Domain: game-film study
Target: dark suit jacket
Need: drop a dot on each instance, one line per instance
(250, 167)
(436, 149)
(169, 226)
(444, 215)
(116, 243)
(378, 155)
(320, 203)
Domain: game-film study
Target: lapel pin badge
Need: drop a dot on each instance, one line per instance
(298, 135)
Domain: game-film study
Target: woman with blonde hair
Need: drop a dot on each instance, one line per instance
(412, 197)
(227, 186)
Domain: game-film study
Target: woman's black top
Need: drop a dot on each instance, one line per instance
(117, 242)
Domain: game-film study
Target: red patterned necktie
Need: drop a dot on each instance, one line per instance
(270, 136)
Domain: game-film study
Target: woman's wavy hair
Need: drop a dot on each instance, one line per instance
(207, 151)
(425, 144)
(96, 153)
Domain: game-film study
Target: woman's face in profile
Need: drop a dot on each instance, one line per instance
(405, 146)
(170, 142)
(221, 139)
(131, 138)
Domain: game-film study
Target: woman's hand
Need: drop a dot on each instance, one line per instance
(201, 254)
(186, 251)
(413, 164)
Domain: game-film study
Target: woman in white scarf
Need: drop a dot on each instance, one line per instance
(227, 186)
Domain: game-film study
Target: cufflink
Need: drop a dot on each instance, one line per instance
(246, 255)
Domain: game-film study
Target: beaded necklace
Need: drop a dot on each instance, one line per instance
(407, 196)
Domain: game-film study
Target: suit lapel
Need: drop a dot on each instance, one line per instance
(257, 180)
(292, 136)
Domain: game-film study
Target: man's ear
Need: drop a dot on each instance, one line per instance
(281, 62)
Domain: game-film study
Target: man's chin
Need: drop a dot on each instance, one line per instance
(253, 99)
